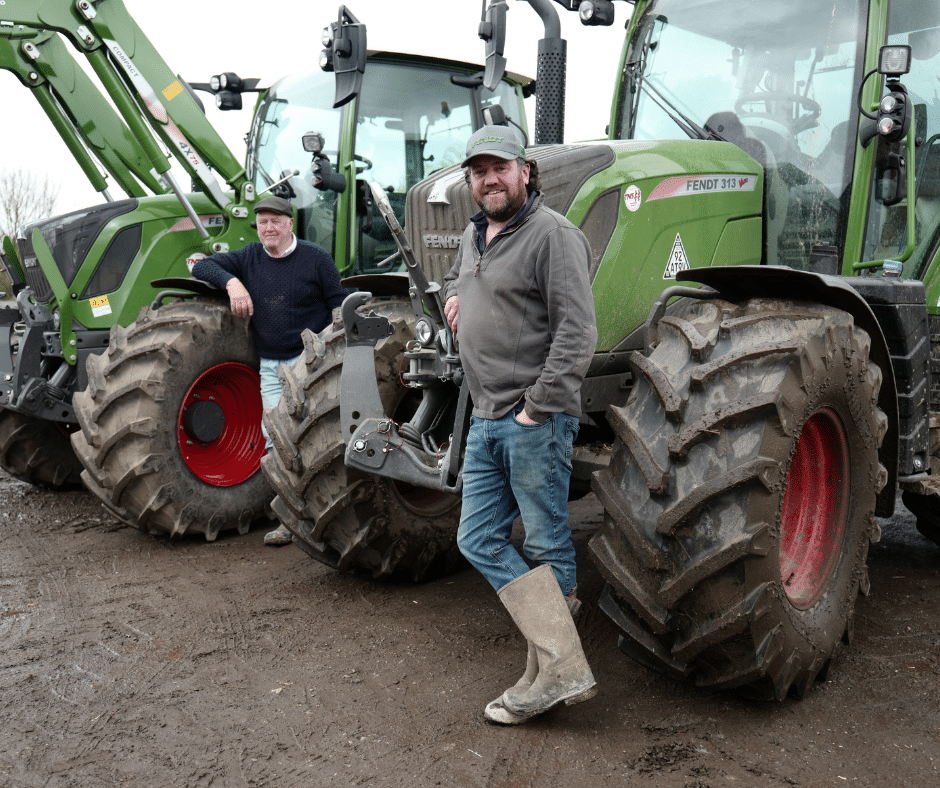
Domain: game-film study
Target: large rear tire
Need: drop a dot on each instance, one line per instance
(171, 422)
(740, 496)
(38, 451)
(344, 518)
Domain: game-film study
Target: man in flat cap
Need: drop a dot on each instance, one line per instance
(285, 285)
(519, 297)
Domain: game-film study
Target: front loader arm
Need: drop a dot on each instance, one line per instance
(150, 98)
(83, 118)
(171, 109)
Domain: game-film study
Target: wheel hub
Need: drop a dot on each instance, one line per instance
(203, 421)
(219, 426)
(815, 508)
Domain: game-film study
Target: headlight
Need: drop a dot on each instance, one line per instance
(424, 331)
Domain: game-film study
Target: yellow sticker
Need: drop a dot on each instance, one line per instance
(172, 90)
(100, 306)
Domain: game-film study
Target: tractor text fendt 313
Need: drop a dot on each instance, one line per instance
(111, 350)
(780, 159)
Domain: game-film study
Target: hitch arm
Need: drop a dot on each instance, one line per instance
(431, 304)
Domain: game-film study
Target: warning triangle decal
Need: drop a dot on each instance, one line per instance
(677, 260)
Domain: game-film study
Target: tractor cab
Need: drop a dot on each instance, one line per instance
(411, 118)
(786, 89)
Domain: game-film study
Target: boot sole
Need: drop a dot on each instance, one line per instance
(578, 697)
(586, 695)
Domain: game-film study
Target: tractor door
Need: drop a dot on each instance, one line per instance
(294, 106)
(892, 231)
(412, 121)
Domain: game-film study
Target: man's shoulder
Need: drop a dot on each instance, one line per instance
(550, 218)
(309, 248)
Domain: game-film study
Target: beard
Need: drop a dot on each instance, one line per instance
(502, 207)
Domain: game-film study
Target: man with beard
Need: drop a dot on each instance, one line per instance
(519, 298)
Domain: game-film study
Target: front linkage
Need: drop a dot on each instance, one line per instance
(427, 449)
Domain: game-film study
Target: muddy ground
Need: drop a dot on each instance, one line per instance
(132, 660)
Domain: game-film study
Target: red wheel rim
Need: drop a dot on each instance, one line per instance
(233, 452)
(815, 508)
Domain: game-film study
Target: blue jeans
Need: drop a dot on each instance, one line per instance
(271, 389)
(511, 469)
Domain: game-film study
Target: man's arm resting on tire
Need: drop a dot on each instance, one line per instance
(209, 270)
(239, 299)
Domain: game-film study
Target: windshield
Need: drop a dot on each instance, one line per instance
(294, 106)
(412, 121)
(767, 77)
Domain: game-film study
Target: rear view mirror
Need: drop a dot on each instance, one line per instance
(344, 54)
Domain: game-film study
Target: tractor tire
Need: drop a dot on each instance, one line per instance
(38, 451)
(740, 497)
(171, 422)
(340, 516)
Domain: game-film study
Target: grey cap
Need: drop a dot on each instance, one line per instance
(275, 205)
(499, 141)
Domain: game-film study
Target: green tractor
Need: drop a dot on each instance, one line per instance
(118, 370)
(771, 186)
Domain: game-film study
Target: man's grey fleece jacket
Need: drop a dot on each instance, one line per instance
(526, 325)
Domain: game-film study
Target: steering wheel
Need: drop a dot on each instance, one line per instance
(800, 124)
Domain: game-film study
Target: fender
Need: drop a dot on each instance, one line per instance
(380, 285)
(184, 287)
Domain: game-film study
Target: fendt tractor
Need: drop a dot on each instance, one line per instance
(115, 367)
(770, 185)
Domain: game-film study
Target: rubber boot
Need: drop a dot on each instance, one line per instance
(542, 614)
(495, 711)
(278, 536)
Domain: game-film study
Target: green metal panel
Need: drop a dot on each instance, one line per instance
(861, 175)
(167, 239)
(58, 82)
(684, 203)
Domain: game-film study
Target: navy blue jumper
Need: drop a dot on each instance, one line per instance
(290, 293)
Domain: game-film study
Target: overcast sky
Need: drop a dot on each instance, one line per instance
(277, 37)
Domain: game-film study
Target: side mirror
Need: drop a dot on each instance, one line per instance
(344, 54)
(494, 115)
(891, 179)
(493, 31)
